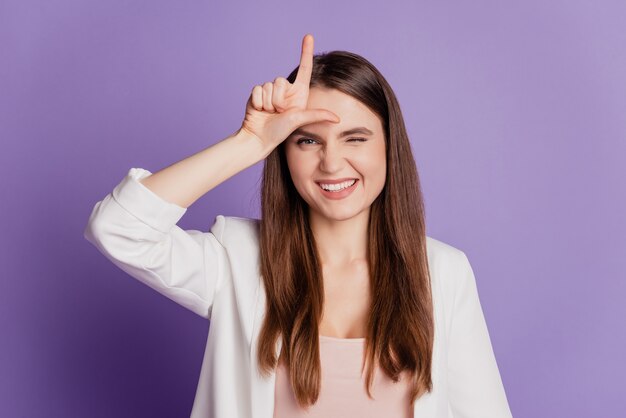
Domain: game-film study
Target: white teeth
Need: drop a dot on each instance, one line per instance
(337, 187)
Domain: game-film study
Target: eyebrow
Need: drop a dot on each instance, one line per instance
(360, 130)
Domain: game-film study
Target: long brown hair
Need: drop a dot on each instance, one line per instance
(400, 328)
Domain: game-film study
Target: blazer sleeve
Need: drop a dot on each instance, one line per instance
(136, 230)
(475, 386)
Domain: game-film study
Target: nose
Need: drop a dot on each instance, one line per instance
(331, 159)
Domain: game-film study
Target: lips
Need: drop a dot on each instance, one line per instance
(334, 181)
(335, 187)
(339, 194)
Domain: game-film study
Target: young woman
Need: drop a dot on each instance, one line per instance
(335, 302)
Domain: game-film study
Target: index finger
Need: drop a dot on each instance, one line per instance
(306, 61)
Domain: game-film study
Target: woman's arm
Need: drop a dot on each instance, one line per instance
(273, 111)
(135, 225)
(184, 182)
(136, 230)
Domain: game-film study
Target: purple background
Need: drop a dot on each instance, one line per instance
(517, 118)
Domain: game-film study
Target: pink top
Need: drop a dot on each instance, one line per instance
(342, 391)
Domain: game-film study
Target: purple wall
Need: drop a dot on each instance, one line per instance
(517, 115)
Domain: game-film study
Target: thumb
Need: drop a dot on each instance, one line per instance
(305, 117)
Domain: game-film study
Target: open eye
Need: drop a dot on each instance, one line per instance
(303, 140)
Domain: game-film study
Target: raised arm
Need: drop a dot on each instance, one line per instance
(136, 230)
(273, 112)
(135, 225)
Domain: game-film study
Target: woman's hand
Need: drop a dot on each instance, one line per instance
(276, 109)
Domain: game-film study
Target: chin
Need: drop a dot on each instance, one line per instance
(338, 215)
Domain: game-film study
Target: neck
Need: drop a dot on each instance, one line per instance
(340, 242)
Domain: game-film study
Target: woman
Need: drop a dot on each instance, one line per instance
(335, 302)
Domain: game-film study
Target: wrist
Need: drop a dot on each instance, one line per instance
(252, 143)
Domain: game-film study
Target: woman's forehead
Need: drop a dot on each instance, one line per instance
(352, 113)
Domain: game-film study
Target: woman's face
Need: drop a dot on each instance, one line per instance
(325, 154)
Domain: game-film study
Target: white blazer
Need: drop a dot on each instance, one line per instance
(216, 275)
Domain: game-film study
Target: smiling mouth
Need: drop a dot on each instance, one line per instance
(337, 187)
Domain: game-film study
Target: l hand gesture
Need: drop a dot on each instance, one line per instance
(276, 109)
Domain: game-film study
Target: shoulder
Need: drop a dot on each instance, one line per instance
(234, 230)
(448, 265)
(442, 252)
(237, 224)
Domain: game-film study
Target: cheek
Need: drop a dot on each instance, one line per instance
(295, 169)
(373, 164)
(378, 176)
(381, 164)
(292, 163)
(300, 170)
